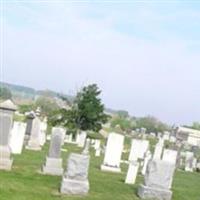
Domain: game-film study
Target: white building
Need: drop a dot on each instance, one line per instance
(192, 136)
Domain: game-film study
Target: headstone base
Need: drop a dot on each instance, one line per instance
(110, 168)
(32, 146)
(6, 164)
(145, 192)
(53, 166)
(74, 187)
(187, 169)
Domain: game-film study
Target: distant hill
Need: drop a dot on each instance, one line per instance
(30, 93)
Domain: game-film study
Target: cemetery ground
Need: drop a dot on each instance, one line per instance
(25, 181)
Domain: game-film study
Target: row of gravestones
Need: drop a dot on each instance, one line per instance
(158, 172)
(75, 177)
(12, 134)
(157, 169)
(33, 134)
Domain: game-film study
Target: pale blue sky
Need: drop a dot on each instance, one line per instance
(144, 55)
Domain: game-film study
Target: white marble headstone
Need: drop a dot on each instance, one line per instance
(189, 161)
(170, 156)
(132, 172)
(75, 179)
(34, 140)
(147, 158)
(157, 181)
(43, 128)
(82, 139)
(113, 152)
(158, 149)
(17, 137)
(138, 149)
(97, 144)
(166, 135)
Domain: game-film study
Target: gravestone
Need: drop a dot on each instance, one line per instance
(97, 147)
(92, 142)
(29, 117)
(166, 135)
(98, 152)
(17, 137)
(34, 140)
(170, 156)
(97, 144)
(189, 161)
(75, 179)
(138, 149)
(194, 164)
(148, 157)
(87, 147)
(62, 131)
(158, 149)
(132, 172)
(43, 129)
(68, 138)
(77, 138)
(157, 181)
(172, 139)
(198, 166)
(82, 138)
(113, 153)
(152, 134)
(7, 109)
(53, 165)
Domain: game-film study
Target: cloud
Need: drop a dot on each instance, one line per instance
(139, 64)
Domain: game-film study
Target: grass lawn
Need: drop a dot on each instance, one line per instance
(25, 182)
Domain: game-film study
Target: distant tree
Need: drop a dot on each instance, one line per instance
(124, 123)
(89, 109)
(151, 124)
(46, 104)
(25, 108)
(5, 93)
(63, 117)
(86, 113)
(123, 113)
(65, 98)
(196, 125)
(47, 93)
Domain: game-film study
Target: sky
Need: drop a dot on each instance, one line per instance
(144, 55)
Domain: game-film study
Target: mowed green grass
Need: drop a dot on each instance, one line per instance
(25, 181)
